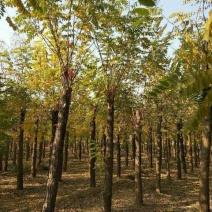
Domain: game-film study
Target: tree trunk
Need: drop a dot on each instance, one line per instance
(80, 149)
(104, 145)
(20, 170)
(14, 152)
(133, 149)
(182, 149)
(44, 149)
(159, 155)
(53, 176)
(190, 153)
(34, 150)
(118, 157)
(126, 147)
(54, 125)
(65, 162)
(92, 145)
(1, 158)
(150, 148)
(138, 181)
(167, 156)
(6, 156)
(40, 152)
(204, 195)
(179, 173)
(108, 183)
(60, 159)
(195, 152)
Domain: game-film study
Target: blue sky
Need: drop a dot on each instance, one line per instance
(169, 6)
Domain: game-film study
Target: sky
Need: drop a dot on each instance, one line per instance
(169, 7)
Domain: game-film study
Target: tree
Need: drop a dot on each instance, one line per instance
(195, 81)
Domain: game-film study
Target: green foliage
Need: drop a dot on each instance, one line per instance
(93, 148)
(208, 28)
(2, 8)
(148, 3)
(141, 11)
(193, 81)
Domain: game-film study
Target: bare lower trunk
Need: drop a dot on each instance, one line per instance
(65, 162)
(159, 155)
(138, 181)
(182, 147)
(104, 144)
(92, 145)
(80, 149)
(167, 156)
(179, 173)
(204, 192)
(53, 176)
(191, 153)
(54, 125)
(6, 155)
(20, 150)
(40, 153)
(108, 183)
(118, 157)
(14, 152)
(150, 148)
(1, 158)
(34, 151)
(126, 147)
(195, 152)
(133, 149)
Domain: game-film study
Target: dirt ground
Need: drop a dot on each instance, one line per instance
(75, 195)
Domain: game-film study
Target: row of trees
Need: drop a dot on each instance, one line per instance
(77, 74)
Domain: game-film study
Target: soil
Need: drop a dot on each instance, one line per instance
(75, 195)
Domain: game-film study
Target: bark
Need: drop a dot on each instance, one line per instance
(167, 156)
(34, 150)
(118, 157)
(190, 152)
(60, 159)
(175, 149)
(87, 145)
(92, 148)
(53, 176)
(1, 159)
(204, 192)
(108, 182)
(40, 150)
(159, 155)
(195, 153)
(14, 152)
(133, 149)
(54, 125)
(179, 173)
(126, 147)
(80, 149)
(104, 144)
(44, 149)
(20, 171)
(150, 148)
(75, 146)
(138, 181)
(182, 149)
(11, 150)
(6, 155)
(65, 162)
